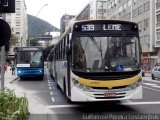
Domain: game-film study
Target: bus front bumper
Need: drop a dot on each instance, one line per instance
(79, 95)
(30, 73)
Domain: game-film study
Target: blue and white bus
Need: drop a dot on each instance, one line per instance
(29, 62)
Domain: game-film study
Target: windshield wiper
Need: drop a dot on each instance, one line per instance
(99, 48)
(95, 43)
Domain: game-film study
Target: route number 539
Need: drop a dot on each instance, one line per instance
(87, 27)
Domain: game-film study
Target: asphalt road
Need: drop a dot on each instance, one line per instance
(47, 102)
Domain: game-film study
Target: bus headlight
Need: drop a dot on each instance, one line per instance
(40, 71)
(19, 72)
(80, 86)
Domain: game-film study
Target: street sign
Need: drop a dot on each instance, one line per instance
(5, 32)
(7, 6)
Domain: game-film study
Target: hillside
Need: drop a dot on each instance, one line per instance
(37, 27)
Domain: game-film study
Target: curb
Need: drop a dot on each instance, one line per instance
(14, 80)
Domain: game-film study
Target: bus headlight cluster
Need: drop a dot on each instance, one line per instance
(19, 72)
(83, 87)
(136, 84)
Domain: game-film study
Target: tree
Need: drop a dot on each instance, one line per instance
(13, 41)
(46, 51)
(34, 42)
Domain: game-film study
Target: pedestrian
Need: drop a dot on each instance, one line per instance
(12, 65)
(5, 67)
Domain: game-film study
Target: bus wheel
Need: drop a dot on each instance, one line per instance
(40, 77)
(22, 78)
(58, 86)
(153, 78)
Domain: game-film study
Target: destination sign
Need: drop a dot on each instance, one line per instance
(105, 27)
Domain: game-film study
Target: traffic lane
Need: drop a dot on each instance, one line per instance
(79, 112)
(151, 90)
(103, 116)
(57, 95)
(37, 93)
(60, 106)
(152, 83)
(149, 94)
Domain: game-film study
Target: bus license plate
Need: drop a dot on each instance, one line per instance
(110, 94)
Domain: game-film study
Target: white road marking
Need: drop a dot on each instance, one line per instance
(51, 93)
(156, 86)
(62, 106)
(50, 88)
(127, 103)
(152, 89)
(154, 81)
(53, 100)
(142, 103)
(151, 84)
(49, 85)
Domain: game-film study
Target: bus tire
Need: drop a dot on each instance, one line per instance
(55, 77)
(58, 87)
(22, 78)
(153, 78)
(65, 92)
(40, 77)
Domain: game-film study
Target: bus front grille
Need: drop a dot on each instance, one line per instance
(106, 88)
(109, 97)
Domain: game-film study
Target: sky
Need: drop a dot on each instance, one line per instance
(53, 12)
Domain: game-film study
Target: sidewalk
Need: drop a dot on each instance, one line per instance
(8, 77)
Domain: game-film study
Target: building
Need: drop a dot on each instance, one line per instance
(19, 24)
(64, 22)
(157, 28)
(143, 13)
(95, 9)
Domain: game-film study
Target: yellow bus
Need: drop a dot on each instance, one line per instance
(99, 60)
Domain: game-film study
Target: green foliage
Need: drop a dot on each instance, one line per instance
(12, 107)
(34, 42)
(37, 27)
(13, 41)
(46, 52)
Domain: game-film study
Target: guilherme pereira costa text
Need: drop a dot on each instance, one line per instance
(121, 116)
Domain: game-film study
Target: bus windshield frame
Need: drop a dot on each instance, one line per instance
(101, 61)
(26, 57)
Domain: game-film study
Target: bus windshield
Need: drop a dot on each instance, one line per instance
(33, 58)
(101, 54)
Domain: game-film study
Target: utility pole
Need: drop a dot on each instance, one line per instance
(2, 66)
(5, 32)
(2, 56)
